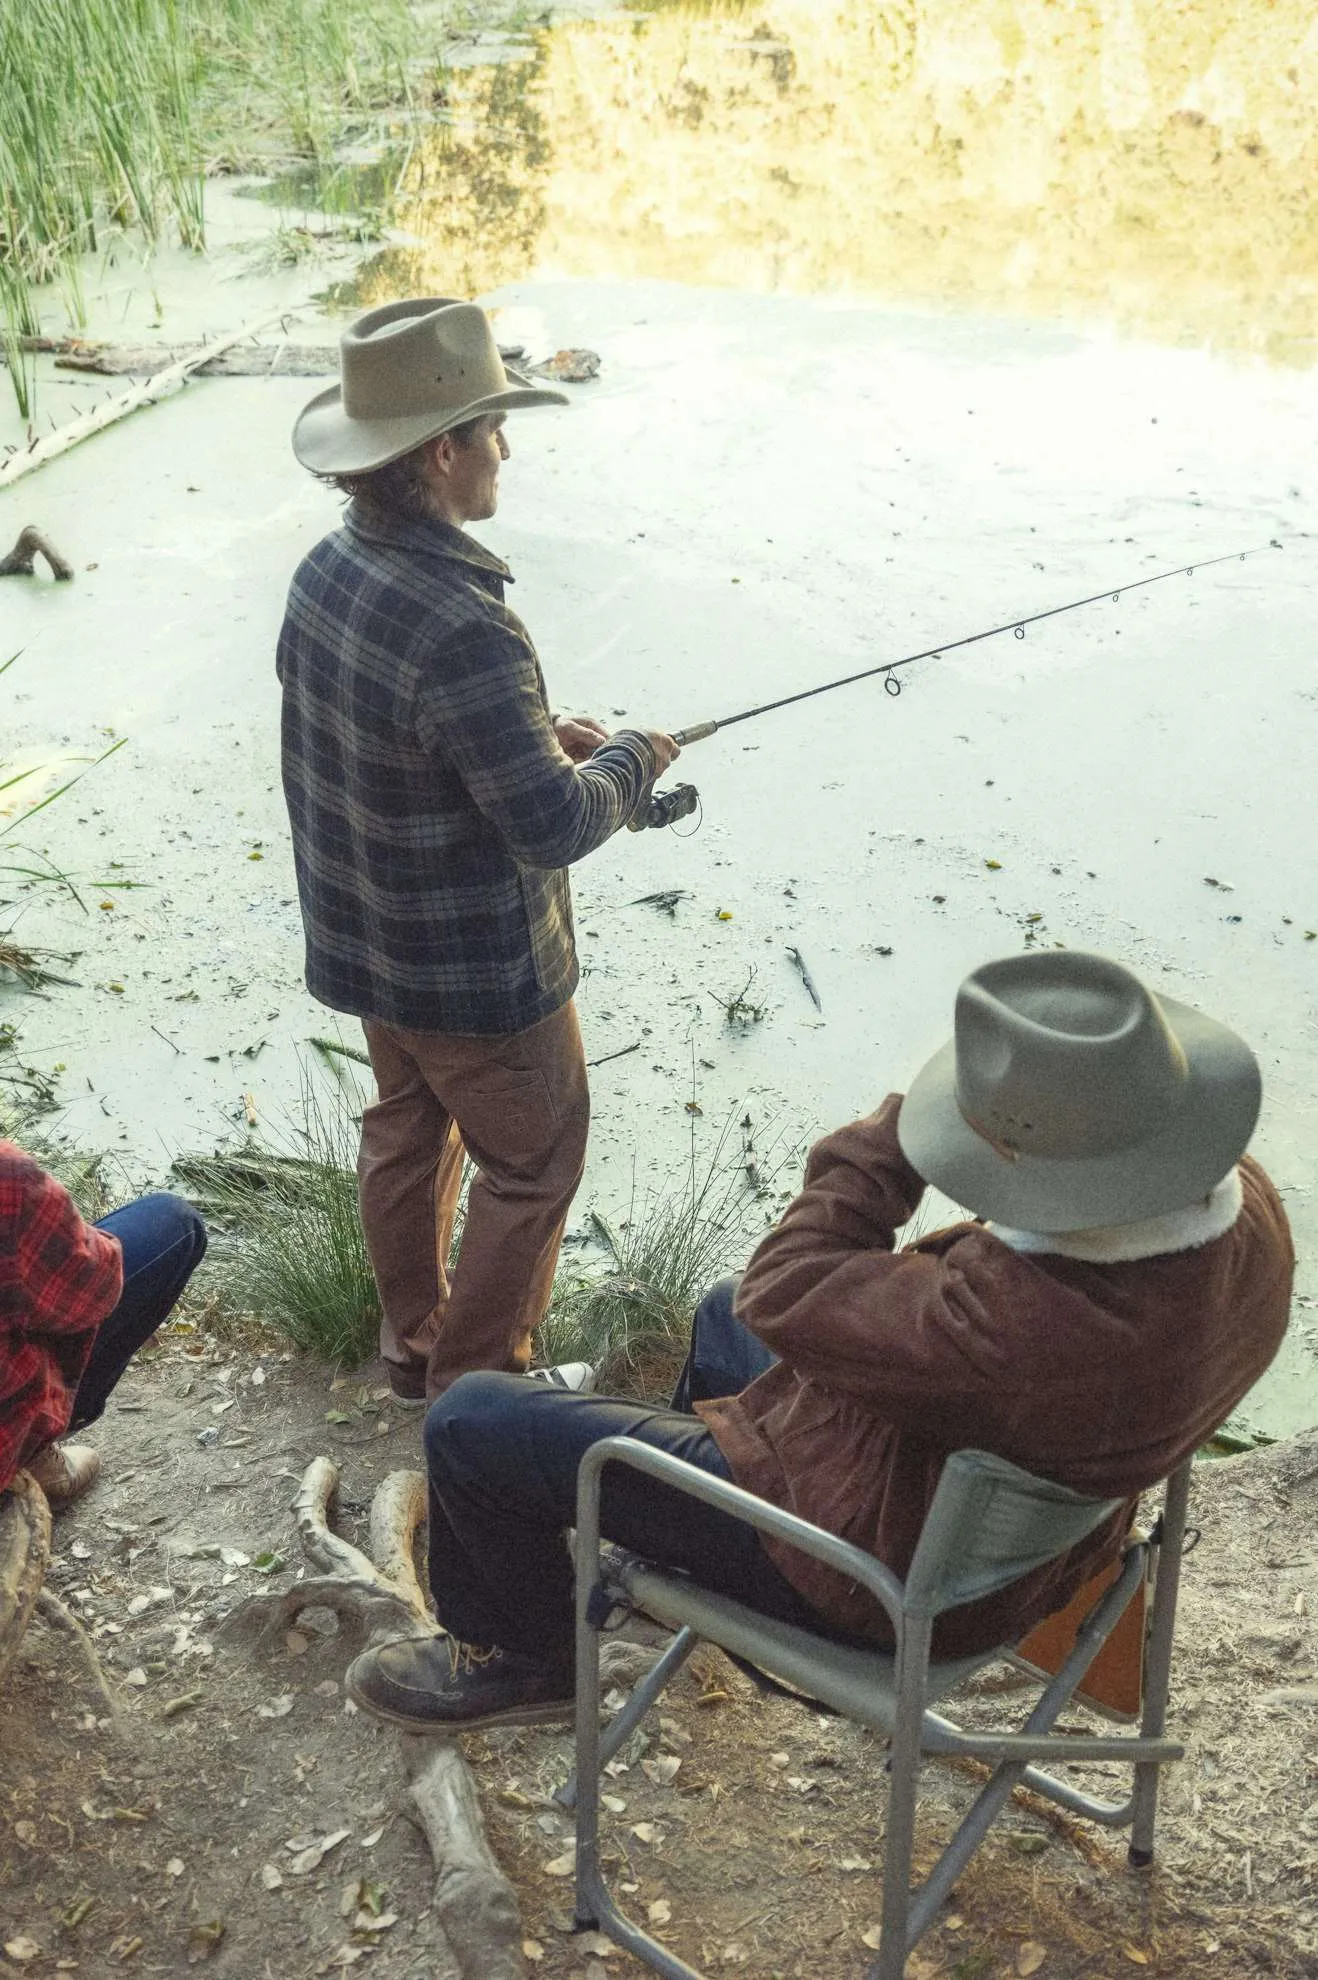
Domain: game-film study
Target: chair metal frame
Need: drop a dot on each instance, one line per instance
(890, 1693)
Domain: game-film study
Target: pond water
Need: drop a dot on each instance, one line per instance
(912, 318)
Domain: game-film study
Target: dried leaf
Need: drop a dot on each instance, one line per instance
(596, 1944)
(271, 1878)
(644, 1831)
(22, 1948)
(1030, 1956)
(662, 1769)
(175, 1867)
(660, 1912)
(532, 1950)
(614, 1802)
(1135, 1956)
(855, 1863)
(137, 1676)
(308, 1858)
(204, 1940)
(871, 1936)
(561, 1866)
(370, 1921)
(278, 1708)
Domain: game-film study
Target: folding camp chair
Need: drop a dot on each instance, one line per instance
(989, 1524)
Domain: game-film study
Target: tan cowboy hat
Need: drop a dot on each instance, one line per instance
(1071, 1097)
(408, 371)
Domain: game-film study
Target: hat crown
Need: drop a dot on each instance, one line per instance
(417, 358)
(1065, 1056)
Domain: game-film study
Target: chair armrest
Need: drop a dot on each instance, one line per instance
(739, 1504)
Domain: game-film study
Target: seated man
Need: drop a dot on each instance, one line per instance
(1126, 1281)
(76, 1302)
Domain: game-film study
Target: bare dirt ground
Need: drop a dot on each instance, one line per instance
(247, 1820)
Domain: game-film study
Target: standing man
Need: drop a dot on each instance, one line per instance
(435, 804)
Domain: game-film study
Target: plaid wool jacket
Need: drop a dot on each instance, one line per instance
(433, 812)
(59, 1278)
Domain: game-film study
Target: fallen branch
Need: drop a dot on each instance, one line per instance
(30, 545)
(23, 460)
(474, 1899)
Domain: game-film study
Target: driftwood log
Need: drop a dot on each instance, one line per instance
(24, 1554)
(32, 544)
(24, 459)
(253, 360)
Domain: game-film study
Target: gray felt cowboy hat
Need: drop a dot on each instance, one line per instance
(408, 372)
(1072, 1097)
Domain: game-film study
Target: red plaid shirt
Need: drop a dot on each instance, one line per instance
(59, 1278)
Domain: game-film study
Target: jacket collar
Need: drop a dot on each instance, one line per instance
(1118, 1244)
(426, 535)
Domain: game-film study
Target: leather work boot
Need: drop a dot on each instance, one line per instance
(435, 1684)
(65, 1471)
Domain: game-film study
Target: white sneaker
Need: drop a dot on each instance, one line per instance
(577, 1376)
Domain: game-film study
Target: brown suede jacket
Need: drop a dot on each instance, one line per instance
(1100, 1377)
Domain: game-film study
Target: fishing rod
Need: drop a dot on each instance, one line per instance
(663, 807)
(893, 686)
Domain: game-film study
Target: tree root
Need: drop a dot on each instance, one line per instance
(24, 1554)
(380, 1598)
(32, 544)
(49, 1605)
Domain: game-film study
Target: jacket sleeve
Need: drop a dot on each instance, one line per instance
(910, 1331)
(486, 711)
(59, 1275)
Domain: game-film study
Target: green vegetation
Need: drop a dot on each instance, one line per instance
(289, 1246)
(115, 111)
(632, 1318)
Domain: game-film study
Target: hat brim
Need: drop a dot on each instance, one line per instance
(1174, 1167)
(329, 441)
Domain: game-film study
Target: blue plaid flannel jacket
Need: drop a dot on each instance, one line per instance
(433, 811)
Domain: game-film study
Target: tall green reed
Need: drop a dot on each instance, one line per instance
(114, 109)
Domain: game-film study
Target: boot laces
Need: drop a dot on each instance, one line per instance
(467, 1658)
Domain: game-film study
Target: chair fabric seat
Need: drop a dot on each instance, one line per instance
(859, 1683)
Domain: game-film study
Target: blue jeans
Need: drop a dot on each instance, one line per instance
(503, 1454)
(163, 1241)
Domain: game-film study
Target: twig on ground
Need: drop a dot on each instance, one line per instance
(626, 1050)
(806, 978)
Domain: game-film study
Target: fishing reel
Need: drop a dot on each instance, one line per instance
(659, 808)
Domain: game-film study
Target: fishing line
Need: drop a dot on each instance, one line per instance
(889, 668)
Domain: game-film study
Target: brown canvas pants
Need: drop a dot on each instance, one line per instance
(519, 1106)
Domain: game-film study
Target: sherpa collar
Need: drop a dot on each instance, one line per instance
(1119, 1244)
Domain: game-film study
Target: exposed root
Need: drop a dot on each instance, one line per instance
(473, 1899)
(49, 1605)
(478, 1922)
(24, 1554)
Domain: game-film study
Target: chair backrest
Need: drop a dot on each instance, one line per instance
(989, 1524)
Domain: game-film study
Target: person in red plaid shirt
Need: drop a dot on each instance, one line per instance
(76, 1302)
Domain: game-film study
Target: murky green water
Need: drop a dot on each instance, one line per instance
(1147, 163)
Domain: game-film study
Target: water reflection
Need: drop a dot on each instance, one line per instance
(1144, 162)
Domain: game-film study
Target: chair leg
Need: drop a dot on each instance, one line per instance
(899, 1835)
(1158, 1663)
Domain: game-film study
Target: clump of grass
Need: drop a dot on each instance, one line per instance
(290, 1247)
(632, 1318)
